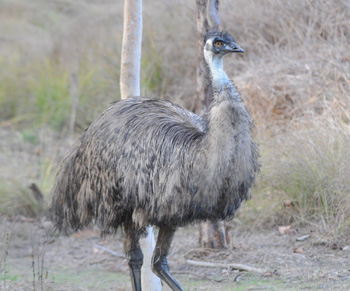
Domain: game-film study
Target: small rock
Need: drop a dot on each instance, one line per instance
(288, 204)
(304, 237)
(268, 274)
(286, 230)
(299, 250)
(282, 229)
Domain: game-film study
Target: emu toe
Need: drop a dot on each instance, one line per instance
(161, 268)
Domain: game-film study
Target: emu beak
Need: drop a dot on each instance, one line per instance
(234, 48)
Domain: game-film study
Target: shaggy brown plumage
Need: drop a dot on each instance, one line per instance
(148, 161)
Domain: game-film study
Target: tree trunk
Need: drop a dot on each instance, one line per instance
(131, 49)
(130, 86)
(212, 234)
(207, 19)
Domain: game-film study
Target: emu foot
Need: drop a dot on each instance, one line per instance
(161, 268)
(135, 260)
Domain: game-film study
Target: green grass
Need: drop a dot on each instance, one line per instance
(30, 135)
(50, 92)
(9, 276)
(39, 93)
(28, 157)
(247, 281)
(16, 198)
(88, 279)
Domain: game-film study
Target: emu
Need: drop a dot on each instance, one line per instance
(148, 161)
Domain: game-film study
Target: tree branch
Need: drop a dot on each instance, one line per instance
(226, 266)
(213, 14)
(109, 251)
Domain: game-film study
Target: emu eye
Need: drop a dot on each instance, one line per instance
(218, 44)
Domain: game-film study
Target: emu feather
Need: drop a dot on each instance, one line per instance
(152, 158)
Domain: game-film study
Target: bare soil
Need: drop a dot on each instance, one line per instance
(33, 258)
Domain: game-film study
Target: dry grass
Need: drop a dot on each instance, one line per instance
(297, 62)
(297, 83)
(294, 77)
(308, 167)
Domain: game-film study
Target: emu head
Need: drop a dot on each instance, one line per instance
(218, 44)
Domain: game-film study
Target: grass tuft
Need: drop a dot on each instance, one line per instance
(310, 168)
(51, 95)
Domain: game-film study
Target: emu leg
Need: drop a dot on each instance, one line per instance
(160, 264)
(133, 253)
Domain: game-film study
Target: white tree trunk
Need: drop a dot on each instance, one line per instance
(130, 86)
(149, 280)
(131, 49)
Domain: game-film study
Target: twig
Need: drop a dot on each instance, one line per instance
(33, 261)
(8, 234)
(75, 98)
(5, 260)
(43, 251)
(192, 252)
(226, 266)
(109, 251)
(207, 250)
(189, 273)
(37, 194)
(198, 275)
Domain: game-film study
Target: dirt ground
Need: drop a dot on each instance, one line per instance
(34, 259)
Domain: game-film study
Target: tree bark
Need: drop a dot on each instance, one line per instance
(130, 86)
(207, 19)
(212, 234)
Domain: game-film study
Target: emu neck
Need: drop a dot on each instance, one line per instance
(222, 85)
(226, 119)
(218, 75)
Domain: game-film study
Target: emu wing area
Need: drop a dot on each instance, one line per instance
(136, 157)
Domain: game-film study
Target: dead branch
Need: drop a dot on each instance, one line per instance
(190, 273)
(199, 276)
(109, 251)
(239, 267)
(213, 13)
(199, 252)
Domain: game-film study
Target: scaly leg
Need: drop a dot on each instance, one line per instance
(133, 253)
(160, 264)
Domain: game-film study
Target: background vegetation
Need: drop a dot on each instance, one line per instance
(294, 77)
